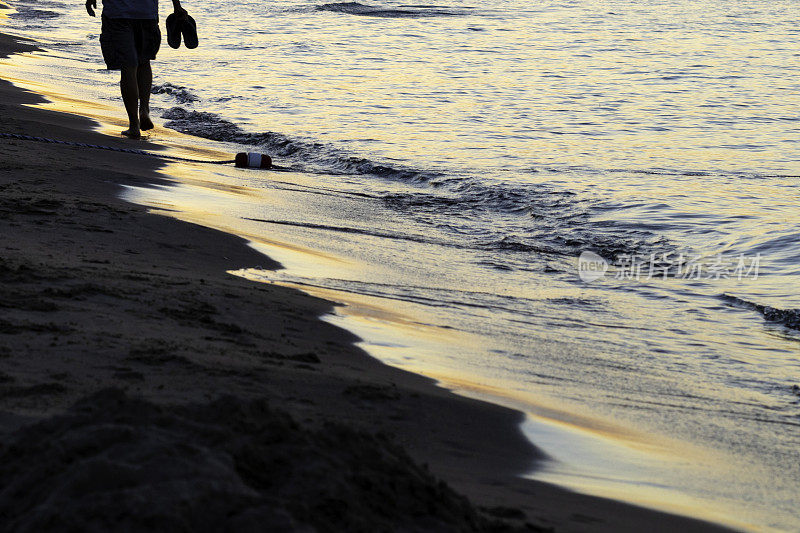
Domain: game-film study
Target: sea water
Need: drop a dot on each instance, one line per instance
(448, 163)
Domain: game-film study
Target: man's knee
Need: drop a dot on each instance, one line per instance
(128, 71)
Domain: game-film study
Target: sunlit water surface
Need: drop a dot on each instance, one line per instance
(449, 162)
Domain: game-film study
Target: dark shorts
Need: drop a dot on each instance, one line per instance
(129, 42)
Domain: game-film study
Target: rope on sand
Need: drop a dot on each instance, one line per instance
(21, 137)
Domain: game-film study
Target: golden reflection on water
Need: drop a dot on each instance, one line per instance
(210, 219)
(613, 443)
(555, 82)
(195, 175)
(402, 332)
(364, 308)
(407, 327)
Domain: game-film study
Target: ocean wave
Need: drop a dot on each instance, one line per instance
(737, 174)
(517, 218)
(411, 11)
(360, 231)
(515, 243)
(37, 10)
(480, 195)
(786, 317)
(33, 14)
(181, 94)
(454, 194)
(311, 155)
(532, 219)
(570, 243)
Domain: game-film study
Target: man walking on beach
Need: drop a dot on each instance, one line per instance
(130, 39)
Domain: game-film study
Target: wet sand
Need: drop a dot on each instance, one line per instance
(142, 384)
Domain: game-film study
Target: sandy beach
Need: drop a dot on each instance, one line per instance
(141, 386)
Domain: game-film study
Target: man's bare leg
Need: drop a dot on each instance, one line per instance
(130, 97)
(144, 79)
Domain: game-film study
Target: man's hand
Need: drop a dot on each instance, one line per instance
(91, 5)
(180, 13)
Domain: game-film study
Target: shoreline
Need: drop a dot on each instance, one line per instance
(456, 436)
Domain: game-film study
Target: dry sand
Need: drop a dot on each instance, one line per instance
(142, 387)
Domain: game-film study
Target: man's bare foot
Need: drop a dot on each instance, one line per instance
(132, 133)
(145, 123)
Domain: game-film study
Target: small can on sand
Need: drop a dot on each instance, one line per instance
(253, 160)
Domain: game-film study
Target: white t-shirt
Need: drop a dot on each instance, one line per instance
(130, 9)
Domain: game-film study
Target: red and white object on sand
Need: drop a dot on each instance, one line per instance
(253, 160)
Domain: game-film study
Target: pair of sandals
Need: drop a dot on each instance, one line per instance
(178, 26)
